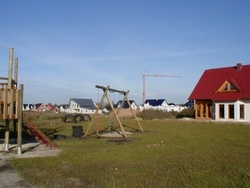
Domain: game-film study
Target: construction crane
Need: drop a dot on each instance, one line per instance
(144, 82)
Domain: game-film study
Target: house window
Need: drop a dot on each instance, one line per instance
(242, 111)
(226, 87)
(231, 111)
(221, 111)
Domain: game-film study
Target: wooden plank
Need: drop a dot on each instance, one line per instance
(10, 102)
(17, 104)
(35, 131)
(5, 105)
(3, 78)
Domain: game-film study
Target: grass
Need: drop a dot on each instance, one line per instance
(195, 154)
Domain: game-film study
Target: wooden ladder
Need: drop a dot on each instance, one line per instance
(33, 130)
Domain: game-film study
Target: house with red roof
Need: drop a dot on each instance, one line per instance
(223, 94)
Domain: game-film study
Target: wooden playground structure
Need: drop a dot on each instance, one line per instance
(11, 101)
(106, 90)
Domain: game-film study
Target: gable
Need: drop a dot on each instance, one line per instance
(227, 83)
(230, 85)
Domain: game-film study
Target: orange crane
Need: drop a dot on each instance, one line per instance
(155, 75)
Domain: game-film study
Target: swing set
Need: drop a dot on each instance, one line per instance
(106, 91)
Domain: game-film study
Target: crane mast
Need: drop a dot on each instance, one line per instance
(144, 83)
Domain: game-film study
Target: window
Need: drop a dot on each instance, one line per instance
(226, 87)
(242, 111)
(231, 111)
(221, 111)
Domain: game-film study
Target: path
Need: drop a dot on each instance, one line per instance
(9, 178)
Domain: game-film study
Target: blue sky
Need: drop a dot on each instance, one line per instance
(65, 48)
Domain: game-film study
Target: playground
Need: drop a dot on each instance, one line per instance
(164, 153)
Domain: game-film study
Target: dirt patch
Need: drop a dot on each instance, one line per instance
(9, 178)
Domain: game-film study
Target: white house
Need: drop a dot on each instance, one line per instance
(84, 106)
(160, 104)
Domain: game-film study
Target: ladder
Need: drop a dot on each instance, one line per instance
(33, 130)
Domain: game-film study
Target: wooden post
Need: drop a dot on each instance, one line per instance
(20, 120)
(117, 118)
(97, 110)
(10, 70)
(16, 72)
(133, 112)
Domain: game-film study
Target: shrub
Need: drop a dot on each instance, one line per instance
(186, 113)
(156, 114)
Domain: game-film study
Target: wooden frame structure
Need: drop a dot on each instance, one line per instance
(106, 90)
(11, 101)
(203, 109)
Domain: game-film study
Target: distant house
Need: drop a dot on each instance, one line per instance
(42, 108)
(28, 107)
(38, 108)
(161, 104)
(156, 103)
(126, 105)
(223, 94)
(63, 107)
(52, 107)
(86, 106)
(189, 104)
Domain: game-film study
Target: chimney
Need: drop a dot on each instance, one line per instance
(238, 66)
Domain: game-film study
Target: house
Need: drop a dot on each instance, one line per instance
(161, 104)
(41, 108)
(223, 94)
(52, 107)
(38, 108)
(85, 106)
(63, 107)
(28, 107)
(156, 103)
(126, 105)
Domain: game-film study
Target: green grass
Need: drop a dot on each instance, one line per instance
(196, 154)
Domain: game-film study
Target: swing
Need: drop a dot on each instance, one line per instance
(105, 95)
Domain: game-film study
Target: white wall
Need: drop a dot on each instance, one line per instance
(236, 111)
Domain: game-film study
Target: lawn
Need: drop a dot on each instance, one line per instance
(169, 153)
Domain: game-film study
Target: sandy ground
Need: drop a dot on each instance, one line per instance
(9, 178)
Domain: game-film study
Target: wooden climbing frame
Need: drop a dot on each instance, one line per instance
(11, 102)
(105, 95)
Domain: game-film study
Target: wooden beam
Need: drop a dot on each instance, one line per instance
(110, 89)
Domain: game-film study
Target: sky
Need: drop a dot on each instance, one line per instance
(66, 48)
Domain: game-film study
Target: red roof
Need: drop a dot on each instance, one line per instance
(213, 79)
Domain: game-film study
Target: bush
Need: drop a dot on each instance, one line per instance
(186, 113)
(156, 114)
